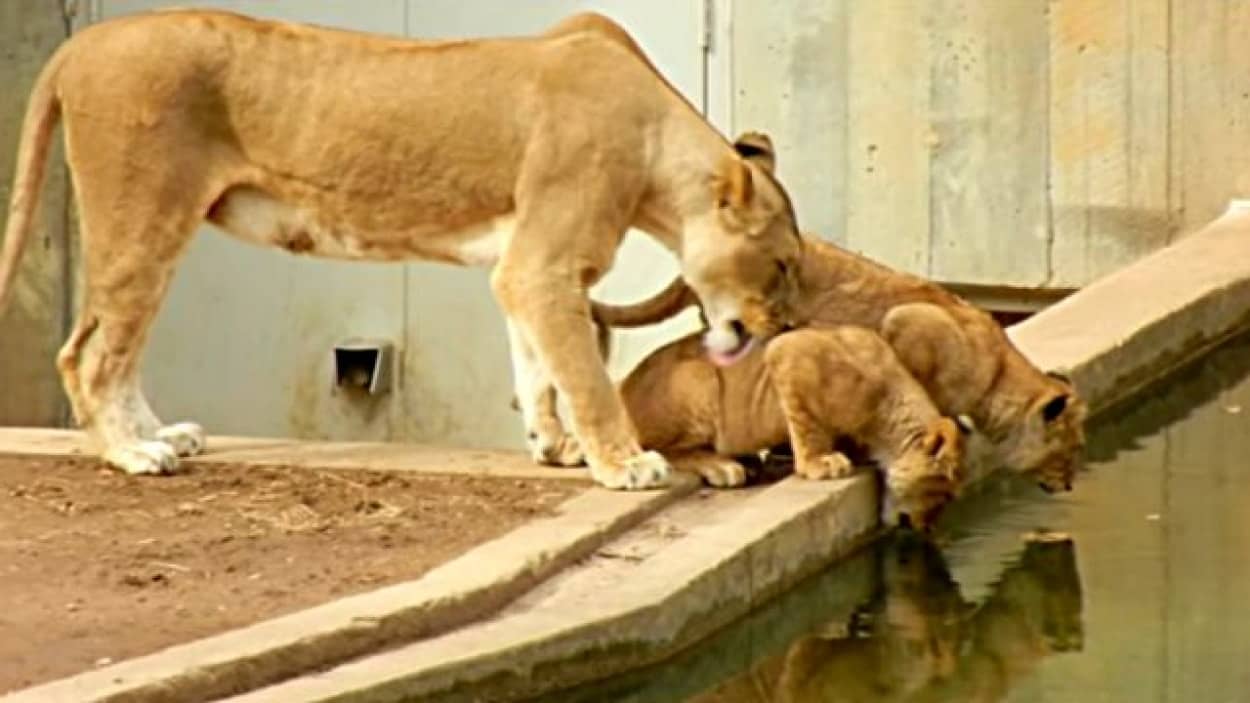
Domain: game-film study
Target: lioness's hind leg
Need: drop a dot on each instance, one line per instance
(185, 438)
(67, 361)
(135, 223)
(110, 404)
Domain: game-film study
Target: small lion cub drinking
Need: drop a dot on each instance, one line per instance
(835, 395)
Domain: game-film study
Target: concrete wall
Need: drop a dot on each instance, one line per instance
(1030, 143)
(31, 328)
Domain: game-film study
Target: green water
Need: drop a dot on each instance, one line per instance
(1147, 600)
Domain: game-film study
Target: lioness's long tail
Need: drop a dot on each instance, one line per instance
(42, 113)
(676, 297)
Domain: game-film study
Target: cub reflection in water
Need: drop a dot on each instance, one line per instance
(920, 640)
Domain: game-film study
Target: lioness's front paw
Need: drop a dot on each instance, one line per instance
(825, 466)
(645, 470)
(561, 449)
(723, 473)
(143, 458)
(185, 438)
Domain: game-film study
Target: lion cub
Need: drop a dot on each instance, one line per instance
(835, 395)
(957, 352)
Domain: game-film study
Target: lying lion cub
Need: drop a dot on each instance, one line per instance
(956, 351)
(826, 392)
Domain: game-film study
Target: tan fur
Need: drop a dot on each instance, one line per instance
(825, 392)
(957, 352)
(533, 155)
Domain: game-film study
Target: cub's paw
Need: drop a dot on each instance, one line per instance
(825, 466)
(143, 458)
(721, 472)
(641, 471)
(185, 438)
(560, 449)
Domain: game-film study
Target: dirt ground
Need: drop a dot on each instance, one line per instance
(96, 567)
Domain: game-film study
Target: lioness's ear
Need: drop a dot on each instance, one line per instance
(734, 185)
(1055, 407)
(757, 148)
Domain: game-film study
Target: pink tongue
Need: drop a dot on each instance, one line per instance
(733, 357)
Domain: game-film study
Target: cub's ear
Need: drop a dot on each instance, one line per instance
(735, 187)
(1055, 407)
(941, 436)
(757, 148)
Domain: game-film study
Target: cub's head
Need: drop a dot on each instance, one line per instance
(926, 476)
(1048, 441)
(741, 257)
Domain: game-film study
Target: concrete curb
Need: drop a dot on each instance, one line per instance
(592, 622)
(1131, 327)
(463, 590)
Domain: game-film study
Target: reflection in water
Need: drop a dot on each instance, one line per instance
(1171, 400)
(918, 639)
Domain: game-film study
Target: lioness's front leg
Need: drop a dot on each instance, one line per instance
(553, 316)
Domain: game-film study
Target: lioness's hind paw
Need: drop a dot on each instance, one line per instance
(185, 438)
(639, 472)
(140, 458)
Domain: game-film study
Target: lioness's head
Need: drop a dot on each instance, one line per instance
(741, 258)
(1048, 441)
(926, 476)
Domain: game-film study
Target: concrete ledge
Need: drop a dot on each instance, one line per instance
(612, 615)
(1127, 329)
(458, 592)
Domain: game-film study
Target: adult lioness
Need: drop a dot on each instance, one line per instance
(532, 155)
(826, 392)
(957, 352)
